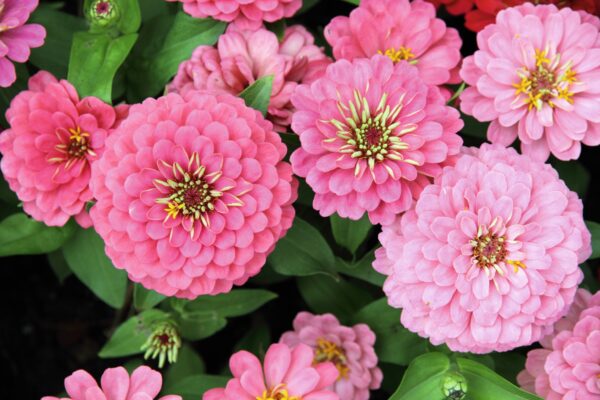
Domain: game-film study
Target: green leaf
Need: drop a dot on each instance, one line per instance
(594, 229)
(199, 325)
(129, 337)
(325, 295)
(193, 387)
(165, 42)
(574, 174)
(258, 94)
(59, 265)
(88, 261)
(95, 59)
(509, 364)
(395, 344)
(233, 304)
(357, 2)
(348, 233)
(131, 17)
(188, 363)
(423, 379)
(302, 252)
(154, 8)
(485, 384)
(257, 340)
(306, 6)
(20, 235)
(53, 56)
(144, 299)
(362, 269)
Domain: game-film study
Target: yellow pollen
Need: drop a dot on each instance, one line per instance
(77, 135)
(328, 351)
(516, 265)
(173, 209)
(403, 53)
(277, 393)
(541, 58)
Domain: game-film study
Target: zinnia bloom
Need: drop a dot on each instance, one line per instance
(486, 10)
(53, 139)
(116, 384)
(401, 30)
(535, 76)
(568, 367)
(372, 135)
(192, 193)
(242, 57)
(488, 260)
(287, 375)
(248, 14)
(349, 348)
(16, 37)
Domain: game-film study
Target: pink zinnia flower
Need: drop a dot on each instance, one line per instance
(242, 57)
(116, 384)
(287, 375)
(535, 76)
(372, 135)
(53, 139)
(568, 367)
(192, 193)
(349, 348)
(488, 260)
(248, 14)
(17, 38)
(401, 30)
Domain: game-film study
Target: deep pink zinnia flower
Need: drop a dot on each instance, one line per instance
(17, 38)
(488, 260)
(192, 193)
(286, 375)
(248, 14)
(401, 30)
(242, 57)
(568, 367)
(372, 136)
(116, 384)
(535, 76)
(349, 348)
(53, 139)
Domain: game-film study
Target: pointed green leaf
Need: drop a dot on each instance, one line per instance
(594, 229)
(348, 233)
(423, 379)
(258, 95)
(362, 269)
(233, 304)
(144, 299)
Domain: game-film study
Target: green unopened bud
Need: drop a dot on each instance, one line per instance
(102, 12)
(164, 342)
(454, 386)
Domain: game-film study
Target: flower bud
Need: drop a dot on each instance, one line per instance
(454, 386)
(102, 13)
(164, 342)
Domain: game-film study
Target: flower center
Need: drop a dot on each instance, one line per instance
(191, 193)
(77, 148)
(490, 252)
(403, 53)
(103, 7)
(279, 392)
(328, 351)
(164, 342)
(371, 136)
(546, 82)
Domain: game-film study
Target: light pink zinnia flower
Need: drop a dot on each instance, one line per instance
(53, 139)
(568, 367)
(401, 30)
(248, 14)
(488, 260)
(116, 384)
(349, 348)
(242, 57)
(372, 136)
(17, 38)
(535, 76)
(287, 375)
(192, 193)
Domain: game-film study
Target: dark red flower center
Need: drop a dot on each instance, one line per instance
(103, 7)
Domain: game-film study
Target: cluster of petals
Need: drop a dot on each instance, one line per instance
(349, 348)
(16, 37)
(192, 193)
(115, 384)
(53, 139)
(568, 365)
(402, 30)
(485, 11)
(488, 260)
(247, 14)
(242, 56)
(287, 374)
(535, 77)
(372, 135)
